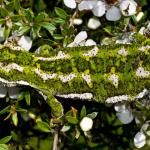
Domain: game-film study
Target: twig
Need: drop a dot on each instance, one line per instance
(56, 138)
(73, 17)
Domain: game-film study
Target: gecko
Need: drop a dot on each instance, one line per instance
(105, 74)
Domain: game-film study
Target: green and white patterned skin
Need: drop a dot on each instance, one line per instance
(109, 73)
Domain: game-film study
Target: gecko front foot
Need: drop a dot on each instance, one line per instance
(56, 106)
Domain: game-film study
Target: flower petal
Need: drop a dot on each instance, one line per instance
(113, 14)
(25, 42)
(81, 36)
(86, 5)
(125, 117)
(72, 44)
(70, 3)
(120, 107)
(99, 9)
(90, 42)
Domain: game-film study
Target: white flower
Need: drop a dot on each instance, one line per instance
(86, 124)
(128, 7)
(100, 7)
(25, 42)
(80, 40)
(93, 23)
(139, 140)
(125, 117)
(70, 3)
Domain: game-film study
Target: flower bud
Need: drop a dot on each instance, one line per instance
(86, 124)
(139, 140)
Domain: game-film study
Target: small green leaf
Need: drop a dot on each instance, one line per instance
(15, 118)
(148, 133)
(83, 112)
(65, 128)
(27, 97)
(17, 4)
(3, 12)
(59, 20)
(58, 36)
(28, 13)
(43, 126)
(72, 120)
(23, 30)
(48, 26)
(126, 21)
(61, 13)
(6, 109)
(2, 20)
(108, 30)
(35, 32)
(41, 16)
(3, 147)
(5, 139)
(15, 136)
(77, 134)
(6, 32)
(68, 113)
(18, 24)
(134, 19)
(92, 115)
(143, 2)
(21, 110)
(21, 96)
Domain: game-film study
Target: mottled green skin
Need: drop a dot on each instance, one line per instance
(106, 62)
